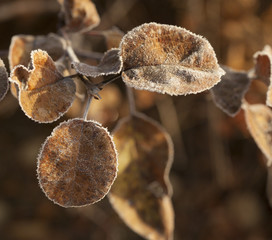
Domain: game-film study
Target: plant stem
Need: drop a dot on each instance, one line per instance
(88, 103)
(107, 81)
(131, 101)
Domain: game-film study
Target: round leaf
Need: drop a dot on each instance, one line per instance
(168, 59)
(77, 164)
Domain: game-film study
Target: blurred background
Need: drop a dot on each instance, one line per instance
(218, 175)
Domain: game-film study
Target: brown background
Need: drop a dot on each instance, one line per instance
(219, 174)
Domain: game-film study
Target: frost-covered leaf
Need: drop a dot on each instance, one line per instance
(22, 45)
(263, 70)
(263, 61)
(77, 164)
(44, 95)
(141, 194)
(110, 64)
(259, 123)
(168, 59)
(3, 80)
(79, 15)
(230, 91)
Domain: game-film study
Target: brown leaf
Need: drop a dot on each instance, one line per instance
(263, 65)
(44, 95)
(168, 59)
(110, 64)
(230, 91)
(259, 123)
(262, 61)
(141, 194)
(22, 45)
(79, 15)
(77, 164)
(4, 86)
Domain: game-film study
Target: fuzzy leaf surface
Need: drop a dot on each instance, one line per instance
(110, 64)
(141, 194)
(77, 164)
(44, 95)
(230, 91)
(168, 59)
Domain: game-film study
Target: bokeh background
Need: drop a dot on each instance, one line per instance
(218, 175)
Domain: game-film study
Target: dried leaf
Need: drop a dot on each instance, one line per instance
(263, 65)
(4, 86)
(44, 95)
(110, 64)
(77, 164)
(263, 61)
(22, 45)
(259, 123)
(228, 93)
(168, 59)
(80, 15)
(141, 194)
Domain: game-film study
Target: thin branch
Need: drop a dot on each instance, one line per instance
(88, 103)
(90, 55)
(107, 81)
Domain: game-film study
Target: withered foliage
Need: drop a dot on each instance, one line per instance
(230, 91)
(4, 84)
(110, 64)
(77, 164)
(22, 45)
(259, 123)
(263, 70)
(79, 15)
(44, 95)
(168, 59)
(141, 194)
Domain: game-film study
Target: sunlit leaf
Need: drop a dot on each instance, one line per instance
(22, 45)
(44, 95)
(110, 64)
(77, 164)
(3, 80)
(230, 91)
(79, 15)
(168, 59)
(259, 123)
(141, 194)
(263, 66)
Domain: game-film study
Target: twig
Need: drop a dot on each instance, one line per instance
(90, 55)
(88, 103)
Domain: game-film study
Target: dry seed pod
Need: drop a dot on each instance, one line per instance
(168, 59)
(141, 194)
(77, 164)
(110, 64)
(228, 93)
(3, 80)
(44, 95)
(263, 65)
(259, 123)
(79, 15)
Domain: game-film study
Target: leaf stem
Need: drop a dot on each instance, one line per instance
(88, 103)
(107, 81)
(131, 101)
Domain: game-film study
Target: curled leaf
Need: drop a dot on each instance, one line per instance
(3, 80)
(22, 45)
(259, 123)
(141, 194)
(79, 15)
(263, 70)
(230, 91)
(110, 64)
(168, 59)
(77, 164)
(44, 95)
